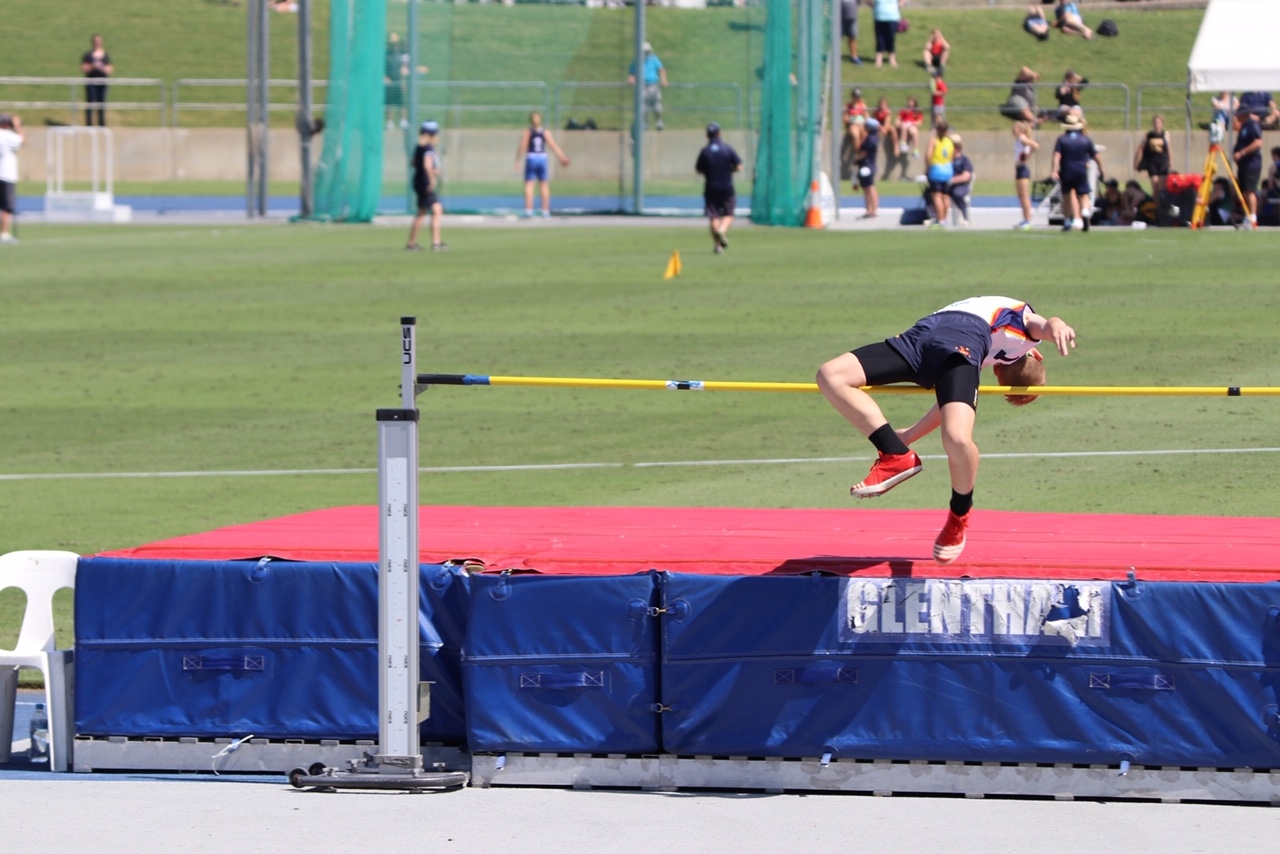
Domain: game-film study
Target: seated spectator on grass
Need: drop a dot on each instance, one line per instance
(1262, 105)
(1225, 105)
(909, 120)
(1138, 204)
(1068, 94)
(884, 117)
(1110, 205)
(856, 113)
(1223, 207)
(937, 50)
(1069, 19)
(1036, 23)
(1021, 103)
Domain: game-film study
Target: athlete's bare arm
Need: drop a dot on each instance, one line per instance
(1054, 329)
(926, 425)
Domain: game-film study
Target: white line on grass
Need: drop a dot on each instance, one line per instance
(660, 464)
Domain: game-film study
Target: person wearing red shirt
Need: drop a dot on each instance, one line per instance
(855, 118)
(936, 53)
(884, 116)
(938, 94)
(909, 121)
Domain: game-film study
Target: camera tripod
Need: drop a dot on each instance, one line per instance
(1206, 185)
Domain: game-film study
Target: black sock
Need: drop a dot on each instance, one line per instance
(887, 441)
(961, 504)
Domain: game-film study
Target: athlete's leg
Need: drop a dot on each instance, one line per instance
(840, 381)
(957, 440)
(528, 195)
(437, 213)
(546, 196)
(413, 229)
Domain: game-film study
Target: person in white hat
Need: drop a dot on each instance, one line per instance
(1071, 156)
(654, 76)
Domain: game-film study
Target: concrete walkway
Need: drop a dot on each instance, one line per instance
(137, 814)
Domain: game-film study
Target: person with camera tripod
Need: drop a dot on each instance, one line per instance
(11, 139)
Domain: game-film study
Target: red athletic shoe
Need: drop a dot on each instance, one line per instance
(887, 472)
(951, 541)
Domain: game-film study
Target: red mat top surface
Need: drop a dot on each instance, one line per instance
(727, 541)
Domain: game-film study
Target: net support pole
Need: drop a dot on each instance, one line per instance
(637, 119)
(305, 122)
(264, 98)
(250, 75)
(257, 77)
(837, 86)
(411, 98)
(399, 751)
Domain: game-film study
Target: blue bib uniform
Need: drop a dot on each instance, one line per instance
(535, 157)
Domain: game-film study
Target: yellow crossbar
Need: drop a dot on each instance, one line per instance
(713, 385)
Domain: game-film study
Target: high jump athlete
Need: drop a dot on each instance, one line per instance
(945, 351)
(533, 146)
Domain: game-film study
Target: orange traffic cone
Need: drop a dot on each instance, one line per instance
(813, 217)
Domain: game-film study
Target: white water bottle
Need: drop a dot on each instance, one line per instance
(38, 752)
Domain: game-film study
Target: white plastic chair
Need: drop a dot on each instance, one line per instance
(39, 574)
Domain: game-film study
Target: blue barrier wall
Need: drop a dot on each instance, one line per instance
(229, 648)
(562, 664)
(796, 666)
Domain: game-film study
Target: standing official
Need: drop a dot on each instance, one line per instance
(1248, 157)
(716, 164)
(11, 139)
(1071, 156)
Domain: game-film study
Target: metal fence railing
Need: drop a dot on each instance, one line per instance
(609, 104)
(19, 94)
(486, 103)
(210, 88)
(503, 103)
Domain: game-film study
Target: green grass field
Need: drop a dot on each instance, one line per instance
(558, 43)
(183, 349)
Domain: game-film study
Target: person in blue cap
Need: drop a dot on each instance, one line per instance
(716, 163)
(426, 186)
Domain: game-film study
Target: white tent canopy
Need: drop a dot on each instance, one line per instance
(1236, 48)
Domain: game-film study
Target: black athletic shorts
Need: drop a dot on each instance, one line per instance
(8, 197)
(426, 200)
(1078, 181)
(943, 352)
(1247, 177)
(716, 204)
(955, 380)
(1022, 172)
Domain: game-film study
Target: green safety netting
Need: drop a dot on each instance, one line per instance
(348, 182)
(796, 54)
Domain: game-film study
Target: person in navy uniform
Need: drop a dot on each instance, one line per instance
(1248, 156)
(426, 186)
(716, 163)
(534, 144)
(946, 352)
(1071, 156)
(961, 180)
(865, 164)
